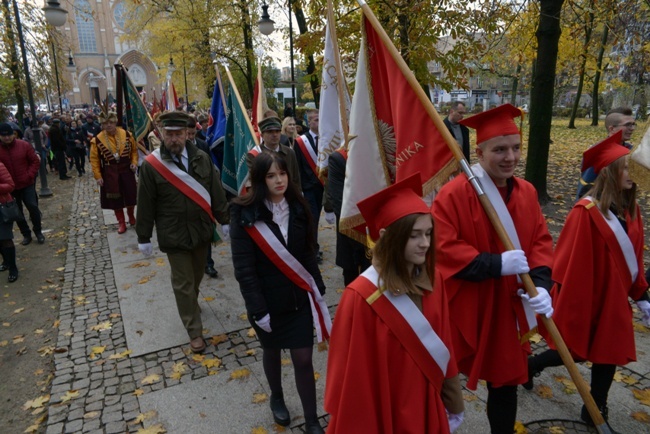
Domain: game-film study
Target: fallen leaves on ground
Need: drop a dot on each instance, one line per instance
(643, 396)
(569, 386)
(95, 352)
(46, 351)
(316, 375)
(80, 300)
(322, 346)
(622, 378)
(154, 429)
(36, 402)
(208, 298)
(18, 339)
(121, 355)
(641, 416)
(19, 310)
(544, 391)
(150, 379)
(520, 428)
(638, 327)
(70, 394)
(556, 430)
(139, 264)
(240, 374)
(211, 363)
(106, 325)
(92, 415)
(217, 339)
(259, 397)
(144, 416)
(259, 430)
(160, 262)
(138, 392)
(251, 333)
(243, 317)
(469, 397)
(178, 369)
(536, 338)
(146, 279)
(285, 361)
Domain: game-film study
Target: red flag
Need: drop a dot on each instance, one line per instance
(393, 136)
(156, 105)
(259, 99)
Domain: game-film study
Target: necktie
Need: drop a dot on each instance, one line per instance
(316, 142)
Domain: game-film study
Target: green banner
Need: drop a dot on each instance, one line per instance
(238, 141)
(137, 117)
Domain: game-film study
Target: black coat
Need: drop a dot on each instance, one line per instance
(465, 132)
(264, 287)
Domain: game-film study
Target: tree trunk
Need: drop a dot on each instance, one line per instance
(589, 27)
(311, 64)
(541, 97)
(595, 112)
(14, 64)
(515, 85)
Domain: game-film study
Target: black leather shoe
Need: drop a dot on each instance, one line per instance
(532, 373)
(40, 238)
(26, 240)
(210, 271)
(13, 276)
(586, 417)
(4, 267)
(313, 427)
(280, 411)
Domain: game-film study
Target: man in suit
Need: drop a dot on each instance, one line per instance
(460, 132)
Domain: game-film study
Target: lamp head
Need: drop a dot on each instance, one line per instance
(54, 14)
(266, 24)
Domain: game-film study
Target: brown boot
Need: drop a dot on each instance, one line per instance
(119, 213)
(129, 212)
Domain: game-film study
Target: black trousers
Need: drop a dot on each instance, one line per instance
(29, 198)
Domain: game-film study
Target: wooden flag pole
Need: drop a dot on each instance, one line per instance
(241, 105)
(580, 383)
(341, 84)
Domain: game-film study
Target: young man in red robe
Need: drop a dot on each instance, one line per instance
(490, 320)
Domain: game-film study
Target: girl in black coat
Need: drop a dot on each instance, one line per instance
(278, 310)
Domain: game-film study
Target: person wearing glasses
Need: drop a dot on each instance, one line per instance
(617, 119)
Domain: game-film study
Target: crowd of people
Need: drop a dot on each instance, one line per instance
(435, 296)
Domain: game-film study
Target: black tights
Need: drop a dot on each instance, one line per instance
(304, 374)
(601, 375)
(502, 408)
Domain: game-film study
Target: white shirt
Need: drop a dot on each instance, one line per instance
(280, 213)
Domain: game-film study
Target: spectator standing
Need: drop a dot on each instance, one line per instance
(59, 145)
(460, 132)
(76, 147)
(7, 248)
(21, 161)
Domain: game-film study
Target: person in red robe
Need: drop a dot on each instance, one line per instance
(490, 321)
(391, 368)
(592, 283)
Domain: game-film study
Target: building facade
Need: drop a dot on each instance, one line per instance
(93, 30)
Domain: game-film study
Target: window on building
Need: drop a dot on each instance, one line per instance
(85, 26)
(505, 81)
(119, 13)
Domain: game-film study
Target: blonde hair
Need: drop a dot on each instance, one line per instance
(608, 190)
(388, 256)
(285, 124)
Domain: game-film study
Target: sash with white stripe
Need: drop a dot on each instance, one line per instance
(431, 342)
(622, 237)
(296, 272)
(499, 205)
(310, 155)
(183, 181)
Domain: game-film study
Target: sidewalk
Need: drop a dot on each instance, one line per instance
(123, 362)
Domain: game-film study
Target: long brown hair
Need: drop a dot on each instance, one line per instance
(608, 190)
(388, 256)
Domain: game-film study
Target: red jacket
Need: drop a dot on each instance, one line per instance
(6, 185)
(21, 161)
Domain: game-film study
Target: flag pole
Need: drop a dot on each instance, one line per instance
(241, 105)
(580, 383)
(122, 77)
(340, 79)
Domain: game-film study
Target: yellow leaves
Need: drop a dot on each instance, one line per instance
(316, 375)
(80, 300)
(70, 394)
(178, 370)
(96, 351)
(18, 339)
(544, 391)
(638, 327)
(569, 386)
(160, 262)
(198, 358)
(643, 396)
(520, 428)
(56, 323)
(251, 352)
(91, 415)
(259, 398)
(240, 374)
(126, 286)
(46, 351)
(251, 333)
(621, 378)
(154, 429)
(61, 250)
(38, 331)
(144, 416)
(217, 339)
(208, 298)
(60, 269)
(144, 280)
(322, 346)
(536, 338)
(138, 392)
(106, 325)
(150, 379)
(469, 397)
(243, 317)
(139, 264)
(4, 343)
(17, 311)
(259, 430)
(211, 363)
(641, 416)
(556, 430)
(36, 402)
(121, 355)
(285, 361)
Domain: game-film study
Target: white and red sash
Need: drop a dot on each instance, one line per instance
(501, 209)
(255, 151)
(183, 181)
(296, 272)
(409, 325)
(620, 238)
(309, 154)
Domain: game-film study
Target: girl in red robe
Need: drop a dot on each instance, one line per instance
(391, 367)
(598, 265)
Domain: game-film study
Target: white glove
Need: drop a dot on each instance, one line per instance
(644, 307)
(225, 230)
(455, 420)
(146, 249)
(514, 262)
(265, 323)
(330, 218)
(542, 304)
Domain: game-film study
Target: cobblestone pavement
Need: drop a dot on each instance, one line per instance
(96, 383)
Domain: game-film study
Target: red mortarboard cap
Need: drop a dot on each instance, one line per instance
(494, 123)
(604, 153)
(392, 203)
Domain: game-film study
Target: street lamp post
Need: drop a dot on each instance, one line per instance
(187, 101)
(45, 190)
(266, 26)
(91, 77)
(56, 73)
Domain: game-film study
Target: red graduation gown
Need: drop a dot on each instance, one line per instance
(484, 314)
(373, 383)
(592, 310)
